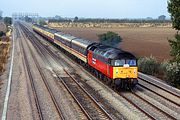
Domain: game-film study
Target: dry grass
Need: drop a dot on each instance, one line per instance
(4, 53)
(106, 25)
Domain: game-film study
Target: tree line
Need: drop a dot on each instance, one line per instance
(86, 20)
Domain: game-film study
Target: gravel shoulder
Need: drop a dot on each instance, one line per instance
(21, 103)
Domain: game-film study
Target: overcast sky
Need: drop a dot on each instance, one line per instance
(88, 9)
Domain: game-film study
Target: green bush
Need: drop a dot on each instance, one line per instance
(162, 68)
(110, 38)
(2, 33)
(8, 21)
(148, 65)
(173, 74)
(42, 22)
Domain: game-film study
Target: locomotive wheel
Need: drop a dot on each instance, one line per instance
(113, 85)
(106, 79)
(102, 76)
(109, 81)
(99, 75)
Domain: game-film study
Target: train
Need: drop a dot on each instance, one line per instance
(114, 66)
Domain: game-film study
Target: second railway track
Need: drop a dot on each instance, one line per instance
(32, 84)
(91, 107)
(44, 80)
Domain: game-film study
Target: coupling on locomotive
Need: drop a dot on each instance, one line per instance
(113, 65)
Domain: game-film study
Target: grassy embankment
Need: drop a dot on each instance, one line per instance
(4, 51)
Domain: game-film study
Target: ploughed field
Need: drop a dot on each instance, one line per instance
(139, 41)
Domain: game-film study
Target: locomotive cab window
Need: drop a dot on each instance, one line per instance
(131, 62)
(118, 62)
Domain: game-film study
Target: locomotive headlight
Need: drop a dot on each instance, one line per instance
(116, 71)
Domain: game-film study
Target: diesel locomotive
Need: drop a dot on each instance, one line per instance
(114, 66)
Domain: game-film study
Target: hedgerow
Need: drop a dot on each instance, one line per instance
(173, 74)
(148, 65)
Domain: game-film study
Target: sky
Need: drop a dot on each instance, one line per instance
(87, 9)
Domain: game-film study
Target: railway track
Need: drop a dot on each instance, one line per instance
(158, 85)
(161, 88)
(147, 113)
(32, 83)
(137, 97)
(150, 115)
(166, 98)
(44, 81)
(142, 109)
(87, 103)
(167, 115)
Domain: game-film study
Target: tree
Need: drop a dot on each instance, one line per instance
(173, 74)
(175, 48)
(173, 68)
(8, 21)
(76, 19)
(28, 19)
(110, 38)
(2, 33)
(162, 17)
(42, 22)
(57, 17)
(173, 9)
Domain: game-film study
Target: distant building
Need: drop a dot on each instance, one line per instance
(162, 17)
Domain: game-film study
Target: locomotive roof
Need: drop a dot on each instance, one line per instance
(82, 42)
(112, 53)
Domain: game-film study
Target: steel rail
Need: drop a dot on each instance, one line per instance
(46, 83)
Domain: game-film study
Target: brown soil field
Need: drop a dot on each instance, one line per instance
(139, 41)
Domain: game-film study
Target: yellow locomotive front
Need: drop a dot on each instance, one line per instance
(125, 69)
(125, 72)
